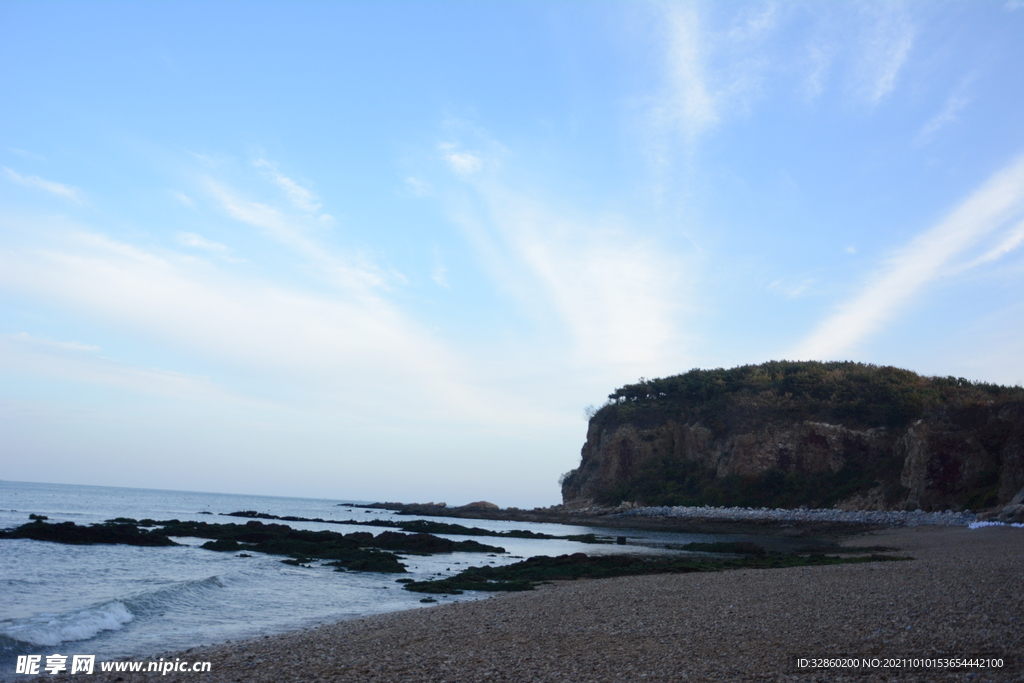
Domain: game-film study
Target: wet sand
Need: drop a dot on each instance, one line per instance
(963, 595)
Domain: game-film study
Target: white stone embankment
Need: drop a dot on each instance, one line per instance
(893, 518)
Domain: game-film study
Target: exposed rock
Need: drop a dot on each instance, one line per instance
(114, 532)
(943, 444)
(1012, 512)
(1018, 499)
(480, 505)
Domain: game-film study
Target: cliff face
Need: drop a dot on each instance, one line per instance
(950, 456)
(967, 454)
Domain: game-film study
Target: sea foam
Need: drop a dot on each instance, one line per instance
(53, 629)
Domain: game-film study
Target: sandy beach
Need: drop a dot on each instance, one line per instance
(962, 596)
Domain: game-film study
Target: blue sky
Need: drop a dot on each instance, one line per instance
(393, 250)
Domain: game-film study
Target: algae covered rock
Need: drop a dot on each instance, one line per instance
(71, 533)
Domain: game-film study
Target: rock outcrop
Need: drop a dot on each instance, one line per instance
(854, 437)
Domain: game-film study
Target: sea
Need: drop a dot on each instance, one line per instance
(120, 601)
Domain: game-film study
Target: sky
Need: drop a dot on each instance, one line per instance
(394, 250)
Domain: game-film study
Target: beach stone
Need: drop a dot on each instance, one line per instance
(963, 594)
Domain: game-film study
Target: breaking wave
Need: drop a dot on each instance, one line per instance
(49, 629)
(53, 629)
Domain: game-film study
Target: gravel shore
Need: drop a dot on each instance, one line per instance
(805, 516)
(963, 595)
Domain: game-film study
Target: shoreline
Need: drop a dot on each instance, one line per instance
(828, 523)
(962, 595)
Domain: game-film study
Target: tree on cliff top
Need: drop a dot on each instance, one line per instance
(856, 395)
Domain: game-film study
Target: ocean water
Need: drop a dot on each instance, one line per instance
(130, 601)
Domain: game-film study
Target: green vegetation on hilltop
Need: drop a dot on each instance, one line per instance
(855, 395)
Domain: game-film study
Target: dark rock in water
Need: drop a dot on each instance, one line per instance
(480, 505)
(357, 551)
(222, 545)
(786, 434)
(369, 561)
(422, 540)
(425, 544)
(525, 575)
(253, 514)
(431, 527)
(353, 551)
(106, 533)
(38, 518)
(736, 547)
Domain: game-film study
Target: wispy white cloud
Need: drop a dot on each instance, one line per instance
(792, 289)
(25, 154)
(998, 201)
(292, 232)
(351, 355)
(23, 337)
(439, 273)
(183, 198)
(949, 113)
(615, 293)
(420, 188)
(463, 163)
(75, 362)
(755, 22)
(691, 104)
(191, 239)
(1011, 239)
(711, 72)
(721, 58)
(820, 56)
(885, 50)
(300, 197)
(35, 182)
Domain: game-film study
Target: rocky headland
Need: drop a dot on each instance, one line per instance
(843, 436)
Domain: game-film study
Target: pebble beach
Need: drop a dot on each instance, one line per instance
(961, 596)
(895, 518)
